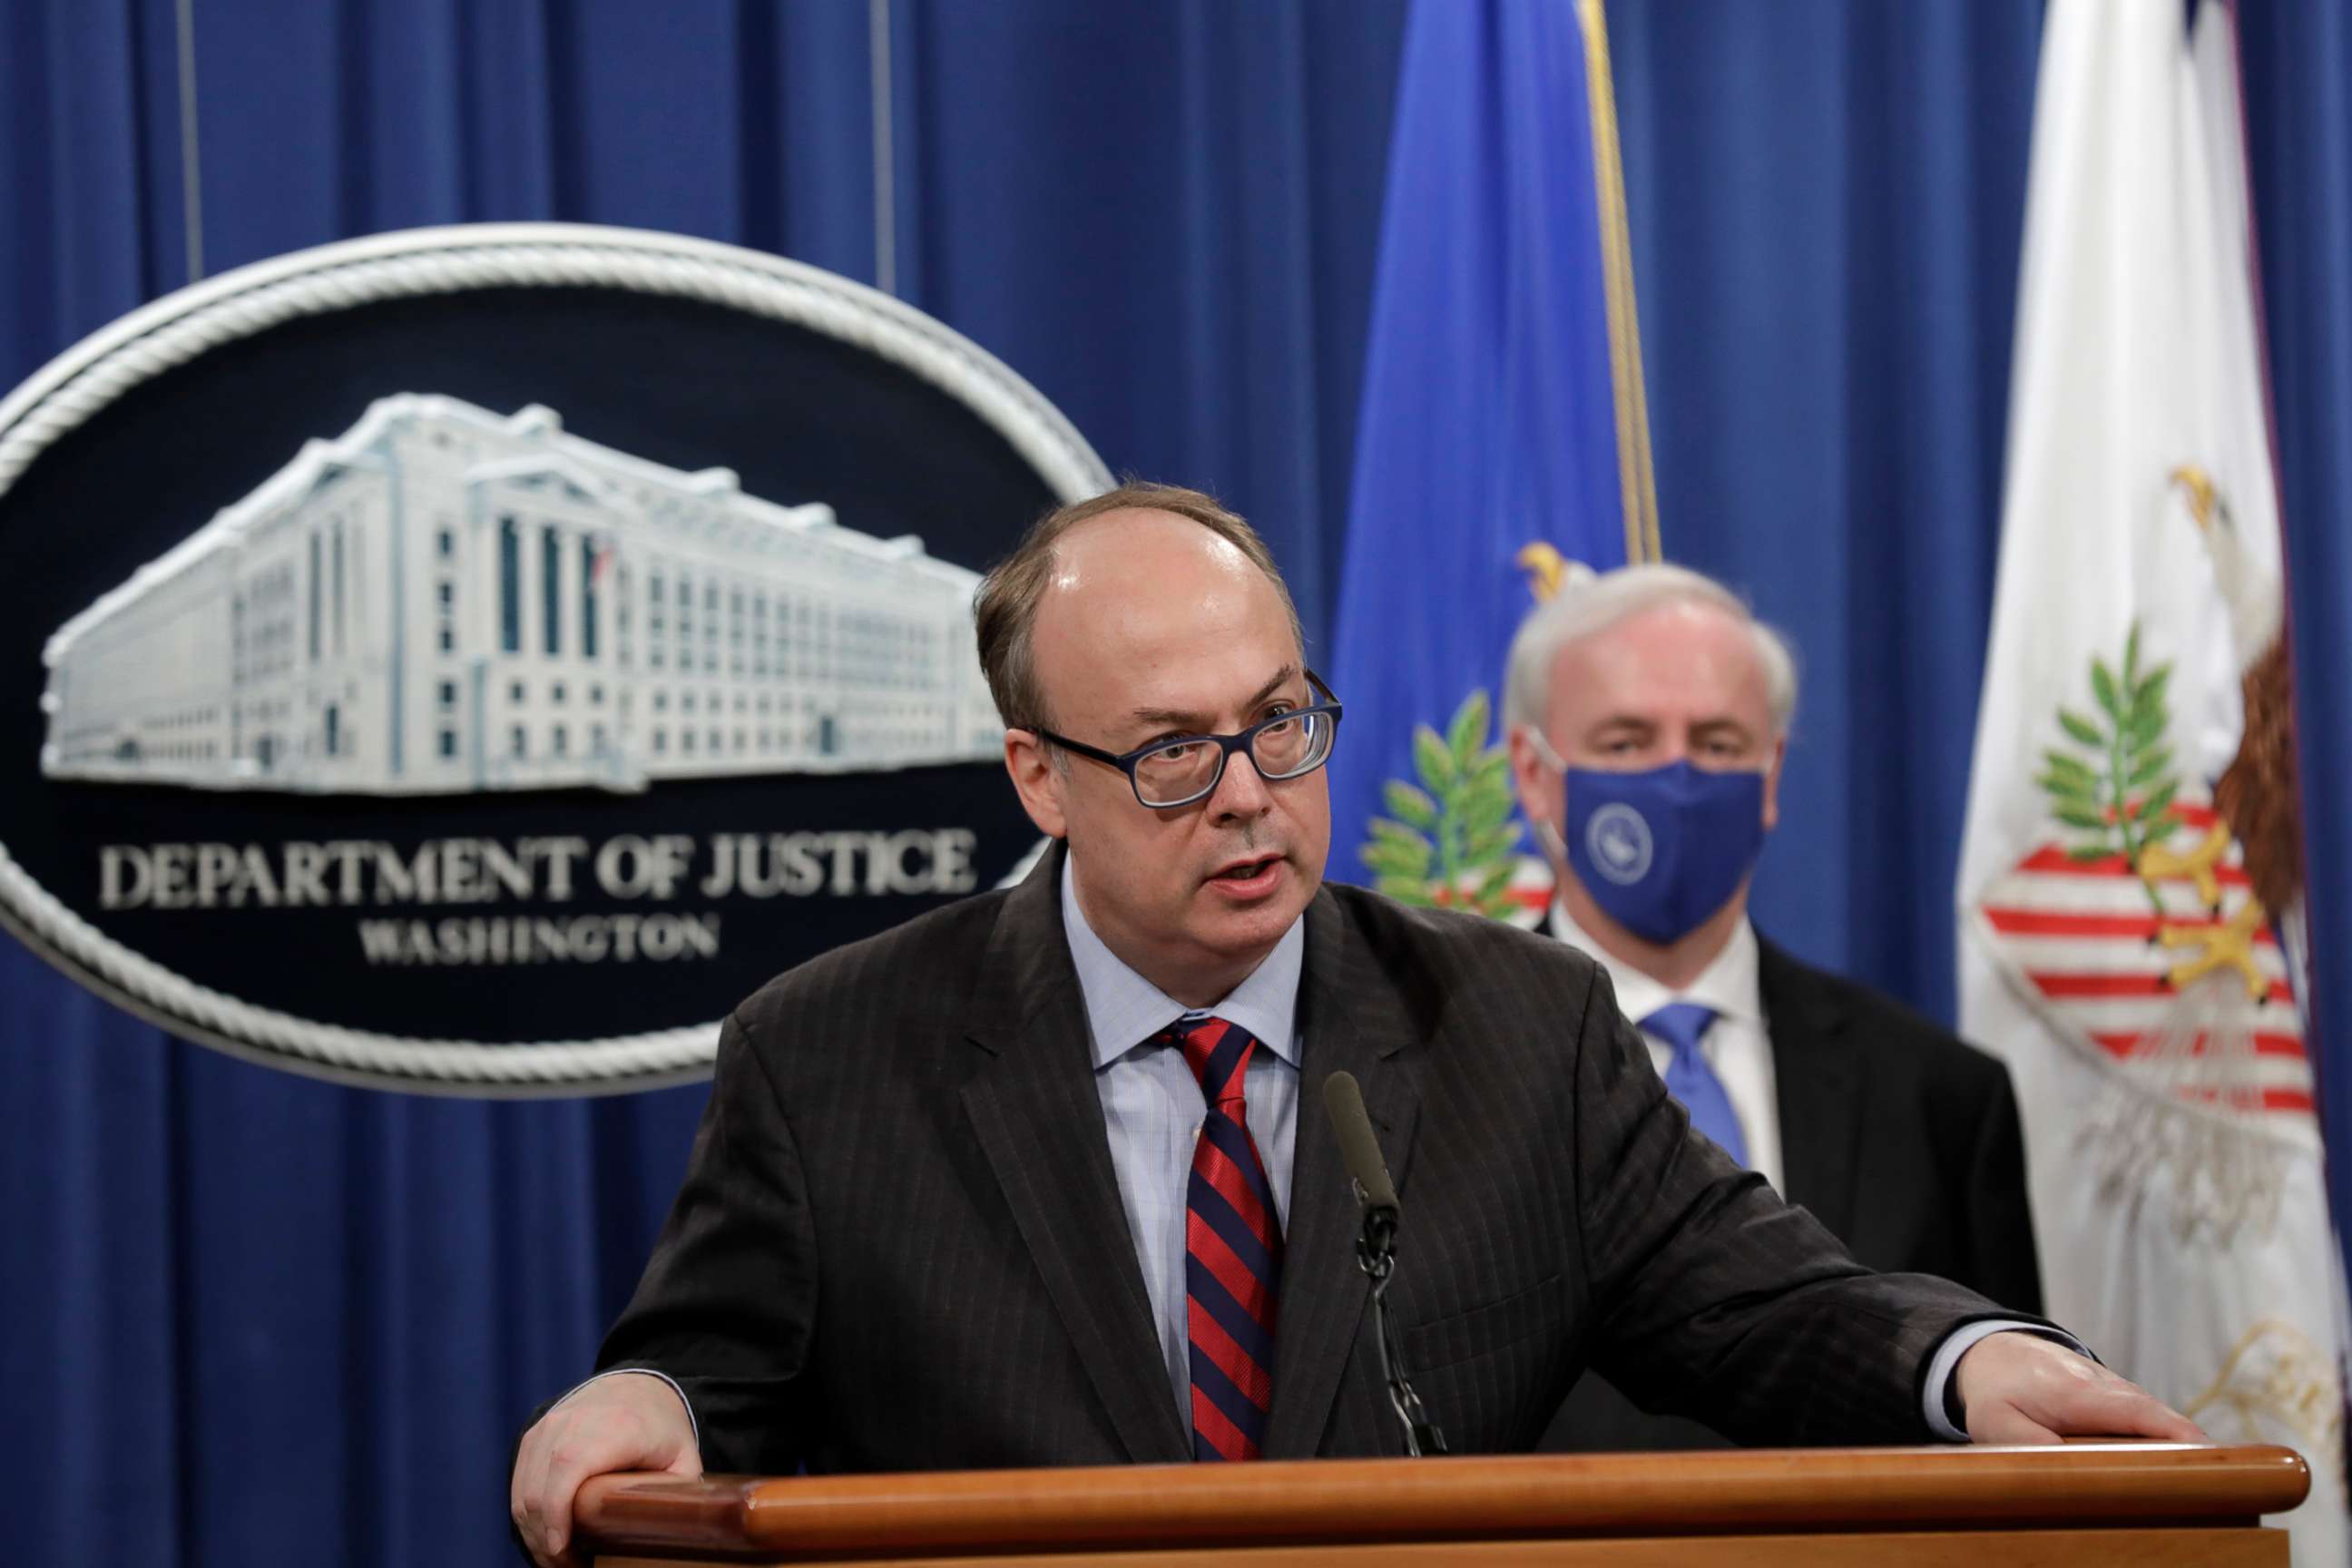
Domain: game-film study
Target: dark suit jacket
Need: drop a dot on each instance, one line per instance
(1899, 1137)
(900, 1244)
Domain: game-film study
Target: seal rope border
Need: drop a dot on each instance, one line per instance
(181, 326)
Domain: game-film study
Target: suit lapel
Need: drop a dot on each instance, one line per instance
(1350, 1022)
(1039, 1122)
(1817, 1085)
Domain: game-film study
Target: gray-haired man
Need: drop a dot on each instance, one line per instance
(1649, 716)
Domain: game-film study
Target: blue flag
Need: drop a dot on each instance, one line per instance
(1490, 427)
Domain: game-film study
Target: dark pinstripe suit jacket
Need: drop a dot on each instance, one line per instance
(900, 1243)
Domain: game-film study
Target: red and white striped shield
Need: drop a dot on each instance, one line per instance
(2172, 973)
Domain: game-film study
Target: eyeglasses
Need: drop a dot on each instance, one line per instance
(1186, 768)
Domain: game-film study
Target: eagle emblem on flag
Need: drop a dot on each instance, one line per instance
(2137, 925)
(2146, 928)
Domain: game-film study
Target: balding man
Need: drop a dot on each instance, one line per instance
(1043, 1177)
(1648, 714)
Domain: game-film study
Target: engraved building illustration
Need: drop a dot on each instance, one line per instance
(444, 600)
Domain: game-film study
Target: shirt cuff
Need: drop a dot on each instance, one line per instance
(1937, 1387)
(695, 1426)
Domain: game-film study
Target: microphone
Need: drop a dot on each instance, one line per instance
(1343, 1100)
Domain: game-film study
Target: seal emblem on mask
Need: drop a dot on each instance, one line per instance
(1618, 842)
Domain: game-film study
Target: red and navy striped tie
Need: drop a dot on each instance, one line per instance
(1232, 1252)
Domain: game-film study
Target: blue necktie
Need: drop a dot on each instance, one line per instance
(1690, 1080)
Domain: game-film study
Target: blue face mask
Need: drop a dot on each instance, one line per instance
(1662, 850)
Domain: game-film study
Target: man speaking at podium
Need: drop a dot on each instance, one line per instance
(1043, 1177)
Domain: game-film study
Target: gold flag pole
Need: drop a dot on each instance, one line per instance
(1637, 481)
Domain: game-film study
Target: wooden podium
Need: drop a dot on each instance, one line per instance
(2139, 1503)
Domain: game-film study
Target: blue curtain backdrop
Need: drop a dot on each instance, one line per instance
(2297, 64)
(1827, 201)
(250, 1318)
(245, 1318)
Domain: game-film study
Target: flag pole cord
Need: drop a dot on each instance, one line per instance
(886, 197)
(192, 179)
(1637, 481)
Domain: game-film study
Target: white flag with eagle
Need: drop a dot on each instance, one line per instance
(2130, 885)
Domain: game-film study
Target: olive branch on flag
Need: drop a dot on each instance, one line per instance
(1449, 840)
(2122, 799)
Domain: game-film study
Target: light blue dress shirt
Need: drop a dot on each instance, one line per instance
(1153, 1105)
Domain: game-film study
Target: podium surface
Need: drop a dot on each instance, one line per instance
(2086, 1503)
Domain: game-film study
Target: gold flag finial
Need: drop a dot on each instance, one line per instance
(1545, 567)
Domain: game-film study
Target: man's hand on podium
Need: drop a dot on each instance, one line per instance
(2021, 1388)
(613, 1423)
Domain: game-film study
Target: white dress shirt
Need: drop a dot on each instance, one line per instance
(1738, 1044)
